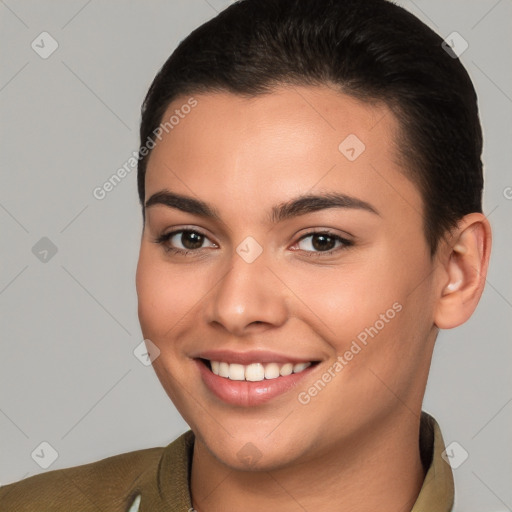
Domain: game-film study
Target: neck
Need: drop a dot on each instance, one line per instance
(381, 471)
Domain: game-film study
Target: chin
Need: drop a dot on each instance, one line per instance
(253, 451)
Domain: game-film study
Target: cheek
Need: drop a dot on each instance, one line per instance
(344, 300)
(364, 309)
(163, 294)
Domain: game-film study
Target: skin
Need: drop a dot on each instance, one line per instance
(354, 446)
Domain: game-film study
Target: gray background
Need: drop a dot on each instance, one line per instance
(69, 325)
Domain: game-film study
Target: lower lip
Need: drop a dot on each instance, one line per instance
(245, 393)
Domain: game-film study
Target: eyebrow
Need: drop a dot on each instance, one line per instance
(301, 205)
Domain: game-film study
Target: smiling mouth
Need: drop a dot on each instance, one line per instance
(254, 372)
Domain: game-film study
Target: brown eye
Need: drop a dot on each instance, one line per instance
(320, 243)
(183, 241)
(190, 239)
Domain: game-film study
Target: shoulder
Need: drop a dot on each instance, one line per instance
(102, 485)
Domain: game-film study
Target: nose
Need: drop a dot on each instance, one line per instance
(249, 297)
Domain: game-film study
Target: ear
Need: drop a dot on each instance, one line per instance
(465, 262)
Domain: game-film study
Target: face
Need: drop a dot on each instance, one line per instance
(255, 274)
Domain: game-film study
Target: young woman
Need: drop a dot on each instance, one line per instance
(310, 181)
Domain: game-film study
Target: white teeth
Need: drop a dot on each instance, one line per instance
(300, 366)
(286, 369)
(236, 372)
(224, 370)
(271, 371)
(215, 367)
(255, 372)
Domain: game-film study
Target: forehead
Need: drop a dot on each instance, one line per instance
(230, 148)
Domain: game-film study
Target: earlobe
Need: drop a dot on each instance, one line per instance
(464, 271)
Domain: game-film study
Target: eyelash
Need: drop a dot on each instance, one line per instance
(165, 237)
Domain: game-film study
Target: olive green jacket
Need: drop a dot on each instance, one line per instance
(157, 480)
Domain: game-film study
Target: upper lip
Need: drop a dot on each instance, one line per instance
(252, 356)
